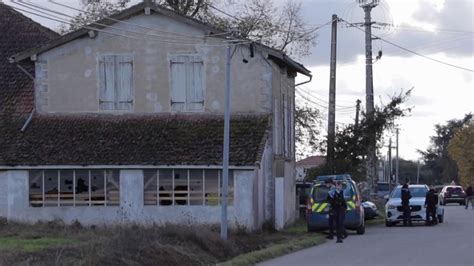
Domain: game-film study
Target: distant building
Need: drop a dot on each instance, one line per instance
(302, 166)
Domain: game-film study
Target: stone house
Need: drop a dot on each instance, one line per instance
(126, 125)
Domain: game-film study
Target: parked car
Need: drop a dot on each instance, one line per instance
(318, 208)
(370, 210)
(383, 189)
(452, 194)
(394, 209)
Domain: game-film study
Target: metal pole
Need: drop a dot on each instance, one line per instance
(332, 97)
(397, 163)
(225, 162)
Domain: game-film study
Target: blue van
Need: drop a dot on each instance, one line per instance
(318, 208)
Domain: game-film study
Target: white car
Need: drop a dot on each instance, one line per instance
(394, 210)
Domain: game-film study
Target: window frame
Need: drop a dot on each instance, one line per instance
(150, 194)
(61, 203)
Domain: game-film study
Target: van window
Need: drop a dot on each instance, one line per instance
(320, 193)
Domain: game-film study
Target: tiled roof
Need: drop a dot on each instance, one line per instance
(316, 160)
(131, 140)
(18, 33)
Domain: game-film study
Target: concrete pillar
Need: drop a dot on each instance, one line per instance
(131, 195)
(3, 194)
(245, 201)
(279, 203)
(17, 193)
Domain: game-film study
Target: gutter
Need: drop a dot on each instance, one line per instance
(78, 167)
(308, 81)
(27, 122)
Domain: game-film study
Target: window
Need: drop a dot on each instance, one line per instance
(74, 188)
(185, 187)
(115, 82)
(187, 83)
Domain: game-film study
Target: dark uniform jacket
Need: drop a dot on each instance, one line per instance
(337, 200)
(431, 199)
(406, 195)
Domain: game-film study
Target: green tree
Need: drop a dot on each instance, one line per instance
(461, 149)
(351, 142)
(437, 157)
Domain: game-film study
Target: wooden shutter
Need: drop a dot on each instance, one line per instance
(178, 83)
(106, 82)
(194, 86)
(124, 83)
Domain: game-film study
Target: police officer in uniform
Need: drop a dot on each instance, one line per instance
(431, 200)
(338, 206)
(406, 196)
(331, 223)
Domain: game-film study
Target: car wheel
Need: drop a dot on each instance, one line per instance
(461, 203)
(440, 219)
(389, 224)
(360, 230)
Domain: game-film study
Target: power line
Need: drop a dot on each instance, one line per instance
(410, 51)
(41, 9)
(309, 31)
(133, 24)
(50, 17)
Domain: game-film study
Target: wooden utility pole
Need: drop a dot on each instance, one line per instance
(397, 162)
(332, 98)
(357, 114)
(390, 165)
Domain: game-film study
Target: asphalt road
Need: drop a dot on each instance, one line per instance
(450, 243)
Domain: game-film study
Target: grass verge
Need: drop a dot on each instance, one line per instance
(31, 245)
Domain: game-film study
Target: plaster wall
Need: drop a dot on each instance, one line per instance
(68, 74)
(131, 209)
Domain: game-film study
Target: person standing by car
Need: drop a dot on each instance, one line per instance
(331, 223)
(406, 196)
(431, 200)
(338, 206)
(469, 196)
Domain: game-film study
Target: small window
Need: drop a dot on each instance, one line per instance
(187, 94)
(115, 82)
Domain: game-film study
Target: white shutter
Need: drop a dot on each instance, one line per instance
(107, 82)
(194, 93)
(178, 83)
(124, 86)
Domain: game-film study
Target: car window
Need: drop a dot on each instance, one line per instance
(454, 189)
(382, 187)
(416, 192)
(320, 193)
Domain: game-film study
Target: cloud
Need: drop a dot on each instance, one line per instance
(445, 15)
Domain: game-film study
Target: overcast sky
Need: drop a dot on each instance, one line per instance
(439, 29)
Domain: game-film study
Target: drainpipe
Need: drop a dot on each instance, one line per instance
(27, 122)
